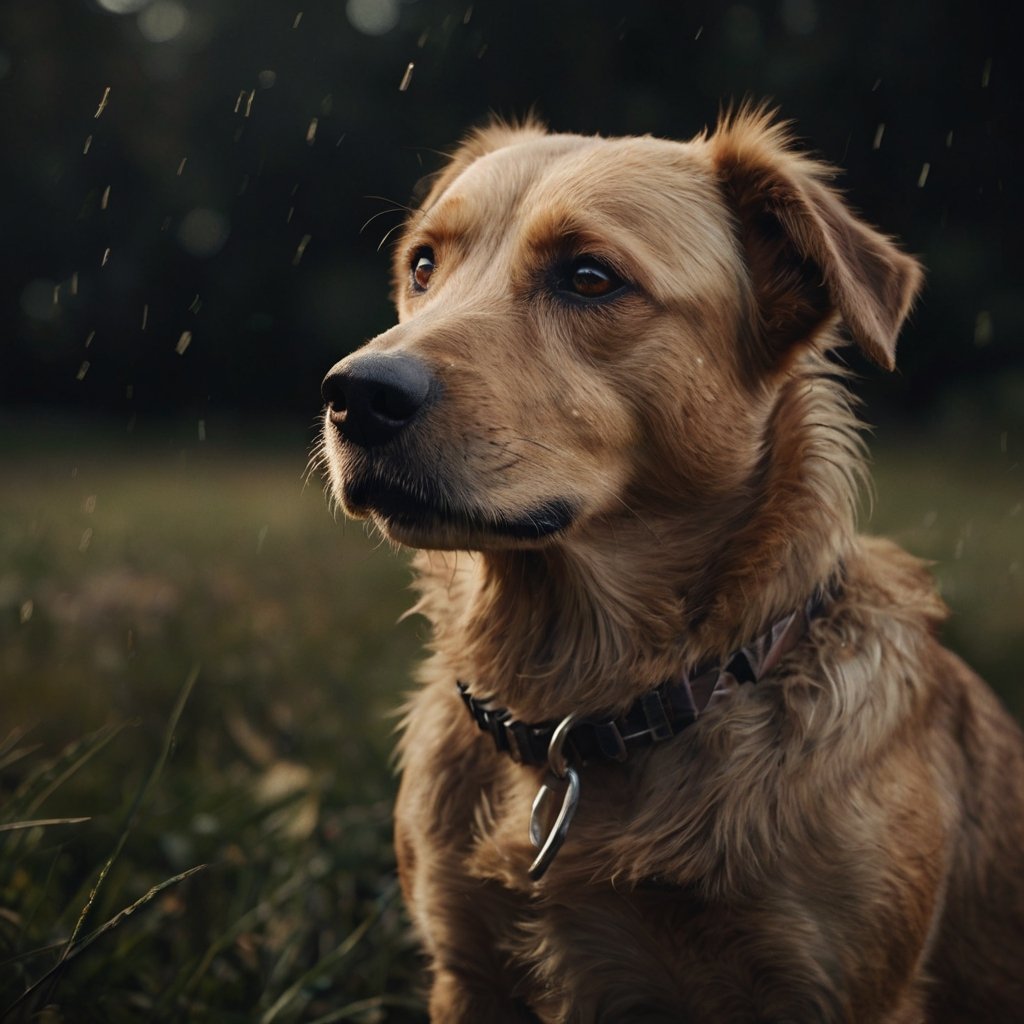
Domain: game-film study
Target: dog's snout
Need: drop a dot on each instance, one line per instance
(374, 397)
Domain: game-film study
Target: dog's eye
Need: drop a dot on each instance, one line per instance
(589, 278)
(422, 269)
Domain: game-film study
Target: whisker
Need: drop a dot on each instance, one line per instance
(393, 202)
(379, 213)
(388, 235)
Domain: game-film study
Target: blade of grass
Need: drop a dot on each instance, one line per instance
(26, 801)
(12, 739)
(11, 753)
(140, 798)
(332, 959)
(84, 943)
(41, 823)
(73, 944)
(257, 915)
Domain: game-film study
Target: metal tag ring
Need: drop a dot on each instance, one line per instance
(560, 829)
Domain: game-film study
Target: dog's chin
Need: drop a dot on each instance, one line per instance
(425, 518)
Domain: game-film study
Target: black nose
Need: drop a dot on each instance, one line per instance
(374, 397)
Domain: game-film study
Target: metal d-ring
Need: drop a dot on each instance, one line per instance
(559, 772)
(556, 747)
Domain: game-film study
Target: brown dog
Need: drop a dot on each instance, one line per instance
(609, 419)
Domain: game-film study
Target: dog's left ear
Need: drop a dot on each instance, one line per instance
(808, 255)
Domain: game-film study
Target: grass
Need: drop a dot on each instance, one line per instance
(197, 670)
(200, 662)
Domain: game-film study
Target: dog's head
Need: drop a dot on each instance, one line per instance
(589, 323)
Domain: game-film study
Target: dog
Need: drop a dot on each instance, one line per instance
(687, 747)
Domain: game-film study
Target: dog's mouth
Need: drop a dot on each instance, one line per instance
(421, 514)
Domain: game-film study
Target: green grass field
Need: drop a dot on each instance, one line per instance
(198, 661)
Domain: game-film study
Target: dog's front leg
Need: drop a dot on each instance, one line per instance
(464, 921)
(473, 980)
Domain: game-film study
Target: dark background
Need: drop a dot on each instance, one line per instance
(215, 246)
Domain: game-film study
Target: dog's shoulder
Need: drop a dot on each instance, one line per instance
(882, 577)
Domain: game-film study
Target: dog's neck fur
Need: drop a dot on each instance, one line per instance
(589, 624)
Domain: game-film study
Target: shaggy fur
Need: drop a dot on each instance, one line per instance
(841, 841)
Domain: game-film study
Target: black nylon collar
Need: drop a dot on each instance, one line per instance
(657, 715)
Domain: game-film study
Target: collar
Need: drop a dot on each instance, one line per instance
(657, 715)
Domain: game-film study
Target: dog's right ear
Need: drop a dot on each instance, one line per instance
(809, 256)
(495, 134)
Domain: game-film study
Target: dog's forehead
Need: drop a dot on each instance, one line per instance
(651, 198)
(606, 175)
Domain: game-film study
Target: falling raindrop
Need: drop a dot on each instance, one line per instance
(879, 132)
(923, 176)
(103, 103)
(297, 258)
(406, 78)
(183, 342)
